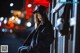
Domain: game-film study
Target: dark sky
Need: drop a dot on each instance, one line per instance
(5, 6)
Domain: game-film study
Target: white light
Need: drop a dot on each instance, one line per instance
(11, 31)
(11, 4)
(18, 21)
(5, 21)
(12, 17)
(11, 11)
(2, 18)
(28, 24)
(29, 5)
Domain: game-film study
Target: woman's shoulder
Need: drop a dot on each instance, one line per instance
(48, 24)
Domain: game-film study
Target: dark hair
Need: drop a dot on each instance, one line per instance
(42, 10)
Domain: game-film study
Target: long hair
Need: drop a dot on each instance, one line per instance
(42, 11)
(36, 21)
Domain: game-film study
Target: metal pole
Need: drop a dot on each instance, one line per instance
(74, 34)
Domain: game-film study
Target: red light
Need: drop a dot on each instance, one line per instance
(42, 2)
(28, 9)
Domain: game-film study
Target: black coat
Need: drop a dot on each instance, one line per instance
(41, 38)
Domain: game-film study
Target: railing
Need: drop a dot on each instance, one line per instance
(63, 43)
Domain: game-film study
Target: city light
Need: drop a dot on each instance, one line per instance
(12, 17)
(11, 11)
(11, 30)
(28, 24)
(29, 5)
(18, 21)
(4, 30)
(11, 4)
(2, 18)
(5, 21)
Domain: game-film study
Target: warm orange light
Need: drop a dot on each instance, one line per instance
(17, 13)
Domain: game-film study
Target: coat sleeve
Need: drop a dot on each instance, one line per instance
(49, 34)
(46, 36)
(29, 38)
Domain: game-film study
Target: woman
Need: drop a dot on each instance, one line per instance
(42, 36)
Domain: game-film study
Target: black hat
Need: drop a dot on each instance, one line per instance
(40, 9)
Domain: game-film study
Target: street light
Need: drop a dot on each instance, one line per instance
(28, 24)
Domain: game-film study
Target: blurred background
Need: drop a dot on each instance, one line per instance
(16, 22)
